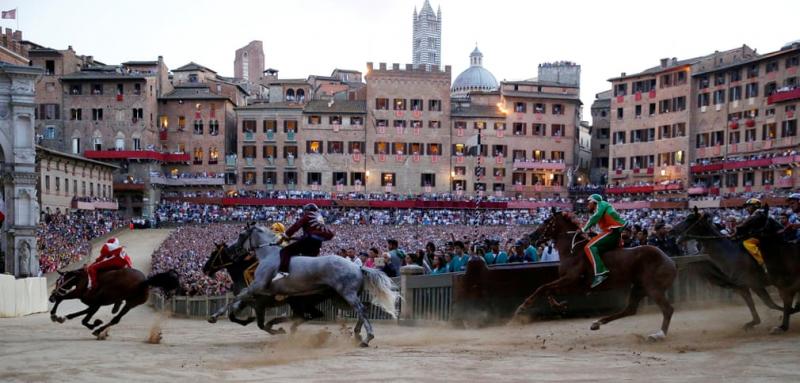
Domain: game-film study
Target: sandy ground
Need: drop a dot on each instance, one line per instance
(703, 345)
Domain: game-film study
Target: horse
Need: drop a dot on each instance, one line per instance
(113, 287)
(303, 307)
(731, 266)
(644, 270)
(310, 276)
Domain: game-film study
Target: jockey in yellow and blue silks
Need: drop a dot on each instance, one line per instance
(750, 225)
(611, 224)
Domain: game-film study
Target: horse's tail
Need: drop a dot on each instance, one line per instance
(381, 290)
(167, 281)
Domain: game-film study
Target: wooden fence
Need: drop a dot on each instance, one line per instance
(430, 297)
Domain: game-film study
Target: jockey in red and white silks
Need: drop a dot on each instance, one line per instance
(112, 256)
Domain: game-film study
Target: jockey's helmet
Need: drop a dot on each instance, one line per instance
(110, 246)
(310, 207)
(754, 202)
(277, 228)
(794, 196)
(595, 198)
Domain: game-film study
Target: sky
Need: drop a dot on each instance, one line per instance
(303, 37)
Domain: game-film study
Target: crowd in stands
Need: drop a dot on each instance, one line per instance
(64, 238)
(353, 196)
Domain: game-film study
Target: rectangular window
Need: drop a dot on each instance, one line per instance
(702, 82)
(381, 147)
(459, 149)
(736, 93)
(518, 178)
(314, 147)
(619, 138)
(213, 155)
(619, 163)
(198, 128)
(767, 177)
(499, 150)
(620, 90)
(248, 126)
(539, 129)
(751, 90)
(719, 79)
(399, 104)
(558, 130)
(703, 99)
(557, 155)
(137, 89)
(520, 129)
(75, 114)
(770, 89)
(435, 105)
(750, 135)
(198, 155)
(290, 151)
(248, 151)
(499, 172)
(356, 178)
(269, 152)
(399, 123)
(769, 131)
(415, 148)
(416, 104)
(434, 124)
(772, 66)
(480, 125)
(120, 89)
(356, 121)
(416, 124)
(399, 148)
(460, 171)
(335, 147)
(427, 180)
(789, 128)
(335, 120)
(382, 103)
(752, 71)
(732, 180)
(314, 178)
(270, 126)
(388, 179)
(619, 113)
(97, 114)
(518, 155)
(290, 178)
(734, 137)
(97, 89)
(558, 109)
(268, 177)
(58, 184)
(519, 107)
(314, 120)
(719, 96)
(735, 75)
(356, 147)
(339, 178)
(434, 149)
(290, 126)
(382, 123)
(76, 90)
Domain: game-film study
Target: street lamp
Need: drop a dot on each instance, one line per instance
(663, 172)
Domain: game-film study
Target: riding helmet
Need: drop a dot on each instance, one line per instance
(755, 202)
(794, 196)
(596, 198)
(277, 227)
(310, 207)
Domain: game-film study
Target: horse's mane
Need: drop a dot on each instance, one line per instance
(571, 217)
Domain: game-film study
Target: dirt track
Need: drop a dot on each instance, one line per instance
(703, 345)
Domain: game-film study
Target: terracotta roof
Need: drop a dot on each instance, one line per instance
(192, 66)
(192, 92)
(272, 105)
(338, 106)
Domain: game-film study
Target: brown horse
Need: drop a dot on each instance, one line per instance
(114, 287)
(644, 270)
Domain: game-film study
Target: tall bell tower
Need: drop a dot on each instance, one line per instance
(427, 37)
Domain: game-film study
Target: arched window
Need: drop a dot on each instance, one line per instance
(119, 142)
(290, 95)
(301, 95)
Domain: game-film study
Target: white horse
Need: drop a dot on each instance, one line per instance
(312, 275)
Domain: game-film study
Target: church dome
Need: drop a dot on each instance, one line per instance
(476, 77)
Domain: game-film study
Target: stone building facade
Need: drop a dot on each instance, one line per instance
(67, 182)
(408, 129)
(248, 64)
(601, 132)
(18, 170)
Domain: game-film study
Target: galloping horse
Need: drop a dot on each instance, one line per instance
(645, 270)
(303, 307)
(732, 267)
(310, 276)
(114, 287)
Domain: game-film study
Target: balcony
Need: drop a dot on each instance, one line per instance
(760, 163)
(617, 174)
(559, 166)
(95, 205)
(230, 161)
(248, 161)
(784, 96)
(289, 161)
(290, 136)
(249, 136)
(706, 168)
(193, 181)
(137, 155)
(270, 135)
(699, 190)
(636, 189)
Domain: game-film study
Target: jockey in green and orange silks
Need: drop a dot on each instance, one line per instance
(611, 224)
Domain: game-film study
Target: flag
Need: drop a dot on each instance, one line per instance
(12, 14)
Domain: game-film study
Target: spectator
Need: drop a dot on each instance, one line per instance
(661, 240)
(397, 256)
(550, 254)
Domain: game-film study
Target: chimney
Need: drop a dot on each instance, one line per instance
(17, 35)
(674, 61)
(664, 62)
(623, 74)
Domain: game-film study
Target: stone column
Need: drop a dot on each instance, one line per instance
(407, 305)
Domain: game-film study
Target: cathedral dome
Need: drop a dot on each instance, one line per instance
(476, 77)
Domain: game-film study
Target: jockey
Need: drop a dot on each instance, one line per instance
(794, 216)
(314, 233)
(611, 224)
(749, 226)
(278, 228)
(112, 257)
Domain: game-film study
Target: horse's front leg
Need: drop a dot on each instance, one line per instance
(545, 289)
(246, 294)
(53, 316)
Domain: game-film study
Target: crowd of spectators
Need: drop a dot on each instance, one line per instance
(353, 196)
(64, 238)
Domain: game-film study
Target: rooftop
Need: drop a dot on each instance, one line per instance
(336, 106)
(272, 105)
(192, 92)
(193, 66)
(73, 156)
(471, 110)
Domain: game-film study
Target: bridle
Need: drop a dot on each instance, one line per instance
(61, 290)
(574, 242)
(694, 236)
(217, 263)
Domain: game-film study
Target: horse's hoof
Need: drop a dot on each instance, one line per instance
(280, 331)
(363, 344)
(749, 326)
(101, 335)
(657, 337)
(595, 326)
(777, 330)
(212, 320)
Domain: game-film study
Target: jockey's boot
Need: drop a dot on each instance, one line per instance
(599, 278)
(280, 275)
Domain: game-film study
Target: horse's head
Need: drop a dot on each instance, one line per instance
(558, 223)
(219, 259)
(66, 283)
(697, 224)
(251, 238)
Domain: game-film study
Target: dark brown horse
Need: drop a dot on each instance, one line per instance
(729, 265)
(644, 270)
(740, 271)
(113, 288)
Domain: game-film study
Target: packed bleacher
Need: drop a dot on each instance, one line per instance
(64, 238)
